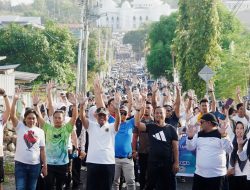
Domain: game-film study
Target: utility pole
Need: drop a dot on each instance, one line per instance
(83, 60)
(85, 47)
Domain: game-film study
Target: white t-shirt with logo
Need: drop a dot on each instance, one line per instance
(29, 141)
(101, 148)
(1, 136)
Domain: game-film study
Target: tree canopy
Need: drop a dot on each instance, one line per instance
(49, 52)
(200, 37)
(159, 58)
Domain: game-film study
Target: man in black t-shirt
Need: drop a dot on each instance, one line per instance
(163, 155)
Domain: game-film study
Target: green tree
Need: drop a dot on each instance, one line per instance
(202, 41)
(48, 52)
(161, 35)
(62, 11)
(136, 39)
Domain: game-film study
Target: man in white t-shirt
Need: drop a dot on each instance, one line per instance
(4, 115)
(101, 153)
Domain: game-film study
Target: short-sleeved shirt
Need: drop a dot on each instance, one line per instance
(111, 119)
(29, 142)
(101, 148)
(143, 138)
(57, 140)
(173, 120)
(123, 139)
(160, 140)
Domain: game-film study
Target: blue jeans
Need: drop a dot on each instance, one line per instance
(26, 175)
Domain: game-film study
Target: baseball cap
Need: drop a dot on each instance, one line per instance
(102, 110)
(210, 117)
(124, 108)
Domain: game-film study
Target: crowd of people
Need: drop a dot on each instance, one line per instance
(126, 126)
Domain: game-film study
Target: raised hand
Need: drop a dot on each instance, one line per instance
(36, 99)
(190, 94)
(72, 99)
(50, 85)
(155, 87)
(144, 92)
(17, 94)
(238, 90)
(117, 101)
(82, 99)
(191, 130)
(139, 103)
(223, 127)
(97, 86)
(240, 141)
(211, 86)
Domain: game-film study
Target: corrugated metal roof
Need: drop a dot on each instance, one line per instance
(6, 67)
(25, 76)
(20, 19)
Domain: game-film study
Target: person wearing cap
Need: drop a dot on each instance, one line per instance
(101, 154)
(123, 151)
(4, 115)
(211, 145)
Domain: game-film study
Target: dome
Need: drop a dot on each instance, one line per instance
(146, 3)
(109, 5)
(126, 5)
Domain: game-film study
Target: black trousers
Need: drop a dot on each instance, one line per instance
(58, 174)
(160, 177)
(143, 163)
(76, 171)
(1, 170)
(238, 183)
(100, 176)
(213, 183)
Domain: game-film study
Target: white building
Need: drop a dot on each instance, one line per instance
(241, 9)
(6, 20)
(130, 16)
(238, 6)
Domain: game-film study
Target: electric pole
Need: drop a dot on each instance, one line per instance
(83, 49)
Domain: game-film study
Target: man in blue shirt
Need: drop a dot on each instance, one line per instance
(123, 151)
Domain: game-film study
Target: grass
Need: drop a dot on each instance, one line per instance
(9, 172)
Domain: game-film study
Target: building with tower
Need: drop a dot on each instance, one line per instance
(130, 16)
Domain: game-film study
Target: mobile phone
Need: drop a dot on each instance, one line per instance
(228, 103)
(219, 115)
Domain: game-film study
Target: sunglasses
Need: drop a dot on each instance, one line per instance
(202, 121)
(124, 113)
(168, 110)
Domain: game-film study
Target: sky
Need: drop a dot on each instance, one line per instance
(16, 2)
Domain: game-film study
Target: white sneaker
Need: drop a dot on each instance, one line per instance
(124, 185)
(137, 184)
(83, 168)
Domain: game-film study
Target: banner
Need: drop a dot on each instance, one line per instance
(187, 158)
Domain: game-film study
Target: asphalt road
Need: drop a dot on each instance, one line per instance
(180, 186)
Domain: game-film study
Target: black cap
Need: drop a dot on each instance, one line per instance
(210, 117)
(102, 110)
